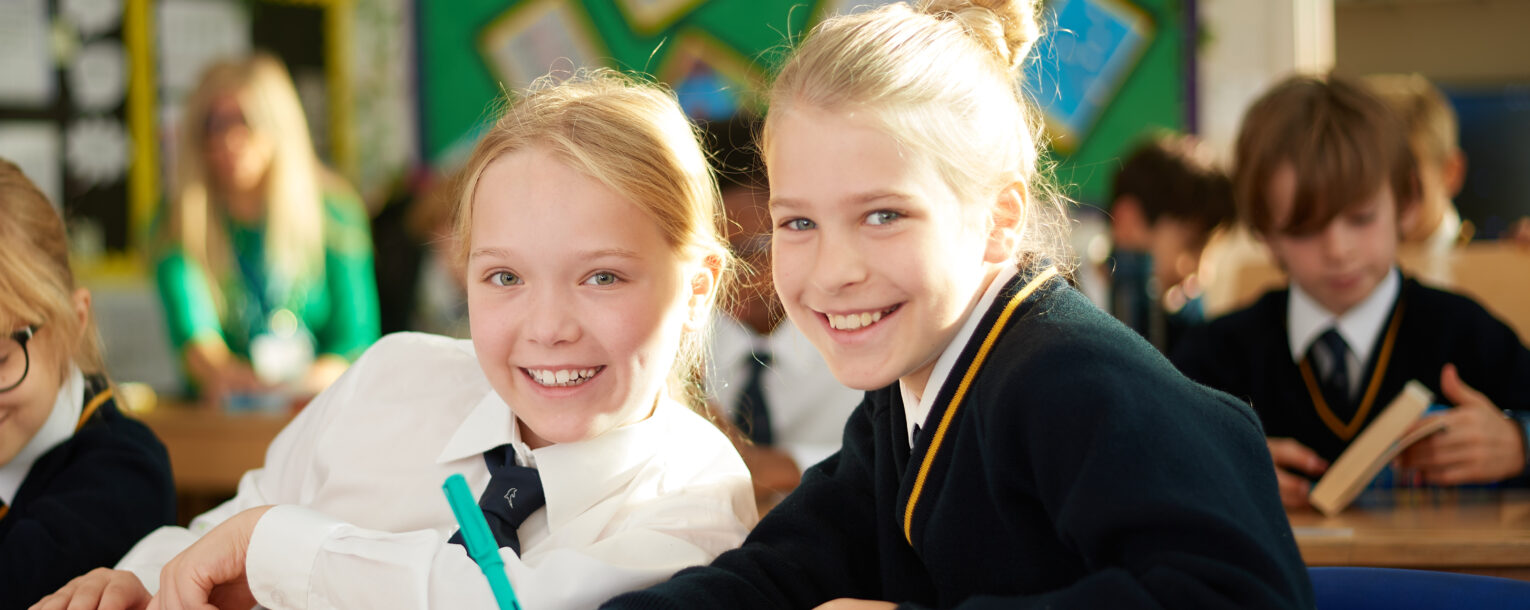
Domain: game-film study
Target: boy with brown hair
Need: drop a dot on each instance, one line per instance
(1325, 176)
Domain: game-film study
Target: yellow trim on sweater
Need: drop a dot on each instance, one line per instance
(961, 392)
(90, 408)
(1347, 430)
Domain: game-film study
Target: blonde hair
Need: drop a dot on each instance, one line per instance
(941, 79)
(632, 137)
(1424, 112)
(36, 285)
(293, 198)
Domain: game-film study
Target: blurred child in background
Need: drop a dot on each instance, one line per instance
(1325, 175)
(764, 374)
(1167, 199)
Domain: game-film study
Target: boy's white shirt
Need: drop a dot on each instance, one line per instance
(916, 410)
(808, 406)
(1306, 320)
(57, 428)
(361, 521)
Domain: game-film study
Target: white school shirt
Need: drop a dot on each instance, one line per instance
(361, 522)
(917, 409)
(808, 406)
(1306, 320)
(68, 405)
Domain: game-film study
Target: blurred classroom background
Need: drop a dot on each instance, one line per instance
(397, 90)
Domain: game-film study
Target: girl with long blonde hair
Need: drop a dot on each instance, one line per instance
(266, 270)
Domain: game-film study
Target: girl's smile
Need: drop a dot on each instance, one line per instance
(875, 257)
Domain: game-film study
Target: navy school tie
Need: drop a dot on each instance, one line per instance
(514, 492)
(752, 416)
(1336, 382)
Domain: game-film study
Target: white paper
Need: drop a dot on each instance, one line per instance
(97, 149)
(98, 76)
(26, 65)
(93, 17)
(34, 147)
(192, 34)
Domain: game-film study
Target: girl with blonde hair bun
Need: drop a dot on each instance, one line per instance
(1016, 447)
(266, 263)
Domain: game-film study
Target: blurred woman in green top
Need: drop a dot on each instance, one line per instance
(266, 274)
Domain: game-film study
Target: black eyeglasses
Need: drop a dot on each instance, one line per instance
(15, 361)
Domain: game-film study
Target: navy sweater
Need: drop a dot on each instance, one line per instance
(1081, 471)
(1247, 354)
(84, 504)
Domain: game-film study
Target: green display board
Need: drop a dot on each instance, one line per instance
(472, 51)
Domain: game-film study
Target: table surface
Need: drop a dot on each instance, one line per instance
(210, 448)
(1483, 531)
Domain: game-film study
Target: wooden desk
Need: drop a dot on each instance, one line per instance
(1473, 531)
(210, 449)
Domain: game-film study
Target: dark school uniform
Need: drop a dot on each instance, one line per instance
(1078, 470)
(85, 502)
(1247, 354)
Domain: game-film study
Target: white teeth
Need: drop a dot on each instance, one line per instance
(561, 377)
(854, 321)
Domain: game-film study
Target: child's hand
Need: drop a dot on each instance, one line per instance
(101, 588)
(845, 603)
(211, 571)
(1477, 445)
(1290, 455)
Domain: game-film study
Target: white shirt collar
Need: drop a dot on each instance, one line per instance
(1306, 319)
(59, 427)
(915, 410)
(600, 464)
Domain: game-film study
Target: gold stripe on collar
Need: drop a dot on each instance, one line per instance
(90, 407)
(1346, 430)
(961, 392)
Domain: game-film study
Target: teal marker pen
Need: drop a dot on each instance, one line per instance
(479, 542)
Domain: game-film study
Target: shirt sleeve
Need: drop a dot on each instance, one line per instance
(304, 559)
(354, 320)
(189, 312)
(280, 480)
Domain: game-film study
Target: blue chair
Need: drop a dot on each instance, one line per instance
(1394, 589)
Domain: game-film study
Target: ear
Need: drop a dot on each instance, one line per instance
(701, 289)
(1006, 222)
(81, 301)
(1453, 173)
(1408, 217)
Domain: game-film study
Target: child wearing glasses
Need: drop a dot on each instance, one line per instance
(79, 482)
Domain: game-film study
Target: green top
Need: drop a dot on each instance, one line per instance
(338, 308)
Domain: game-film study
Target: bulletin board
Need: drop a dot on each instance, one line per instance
(1108, 71)
(64, 111)
(92, 92)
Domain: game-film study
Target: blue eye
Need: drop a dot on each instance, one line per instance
(798, 224)
(602, 278)
(503, 278)
(882, 217)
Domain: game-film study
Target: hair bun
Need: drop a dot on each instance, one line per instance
(1008, 28)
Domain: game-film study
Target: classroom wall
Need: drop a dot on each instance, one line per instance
(1453, 42)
